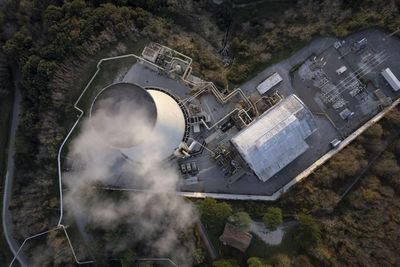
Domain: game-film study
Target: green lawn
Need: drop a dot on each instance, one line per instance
(109, 72)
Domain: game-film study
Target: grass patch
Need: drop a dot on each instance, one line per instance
(277, 57)
(109, 72)
(89, 69)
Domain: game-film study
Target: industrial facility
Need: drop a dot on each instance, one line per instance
(254, 139)
(140, 122)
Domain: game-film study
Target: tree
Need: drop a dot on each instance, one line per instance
(281, 260)
(374, 131)
(18, 47)
(241, 220)
(53, 13)
(308, 232)
(224, 16)
(238, 48)
(198, 256)
(272, 218)
(128, 258)
(225, 263)
(393, 117)
(213, 213)
(388, 169)
(255, 262)
(302, 261)
(348, 162)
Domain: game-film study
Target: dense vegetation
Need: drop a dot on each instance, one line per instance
(6, 100)
(51, 43)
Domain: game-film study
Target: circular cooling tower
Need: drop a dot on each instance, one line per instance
(142, 124)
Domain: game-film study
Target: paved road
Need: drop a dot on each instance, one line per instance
(6, 216)
(283, 67)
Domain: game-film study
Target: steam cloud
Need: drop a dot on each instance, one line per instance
(154, 219)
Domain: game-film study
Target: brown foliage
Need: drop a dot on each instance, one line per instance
(393, 117)
(348, 162)
(388, 169)
(367, 232)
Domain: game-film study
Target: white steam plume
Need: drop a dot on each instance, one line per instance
(155, 220)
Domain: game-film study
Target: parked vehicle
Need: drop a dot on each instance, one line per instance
(227, 125)
(194, 167)
(183, 168)
(335, 143)
(188, 167)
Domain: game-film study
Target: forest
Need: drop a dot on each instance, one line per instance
(48, 49)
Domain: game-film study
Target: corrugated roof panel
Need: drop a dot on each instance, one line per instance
(268, 83)
(276, 138)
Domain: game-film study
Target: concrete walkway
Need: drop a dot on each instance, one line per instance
(271, 237)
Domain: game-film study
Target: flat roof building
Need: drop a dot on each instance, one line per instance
(276, 138)
(391, 79)
(269, 82)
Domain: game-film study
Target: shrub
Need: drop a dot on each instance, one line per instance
(241, 220)
(272, 218)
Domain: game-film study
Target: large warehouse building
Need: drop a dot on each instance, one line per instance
(276, 138)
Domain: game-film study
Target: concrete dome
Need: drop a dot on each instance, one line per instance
(123, 115)
(167, 134)
(143, 124)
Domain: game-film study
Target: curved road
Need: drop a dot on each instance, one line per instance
(6, 216)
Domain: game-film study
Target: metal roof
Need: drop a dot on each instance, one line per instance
(391, 79)
(235, 237)
(276, 138)
(268, 83)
